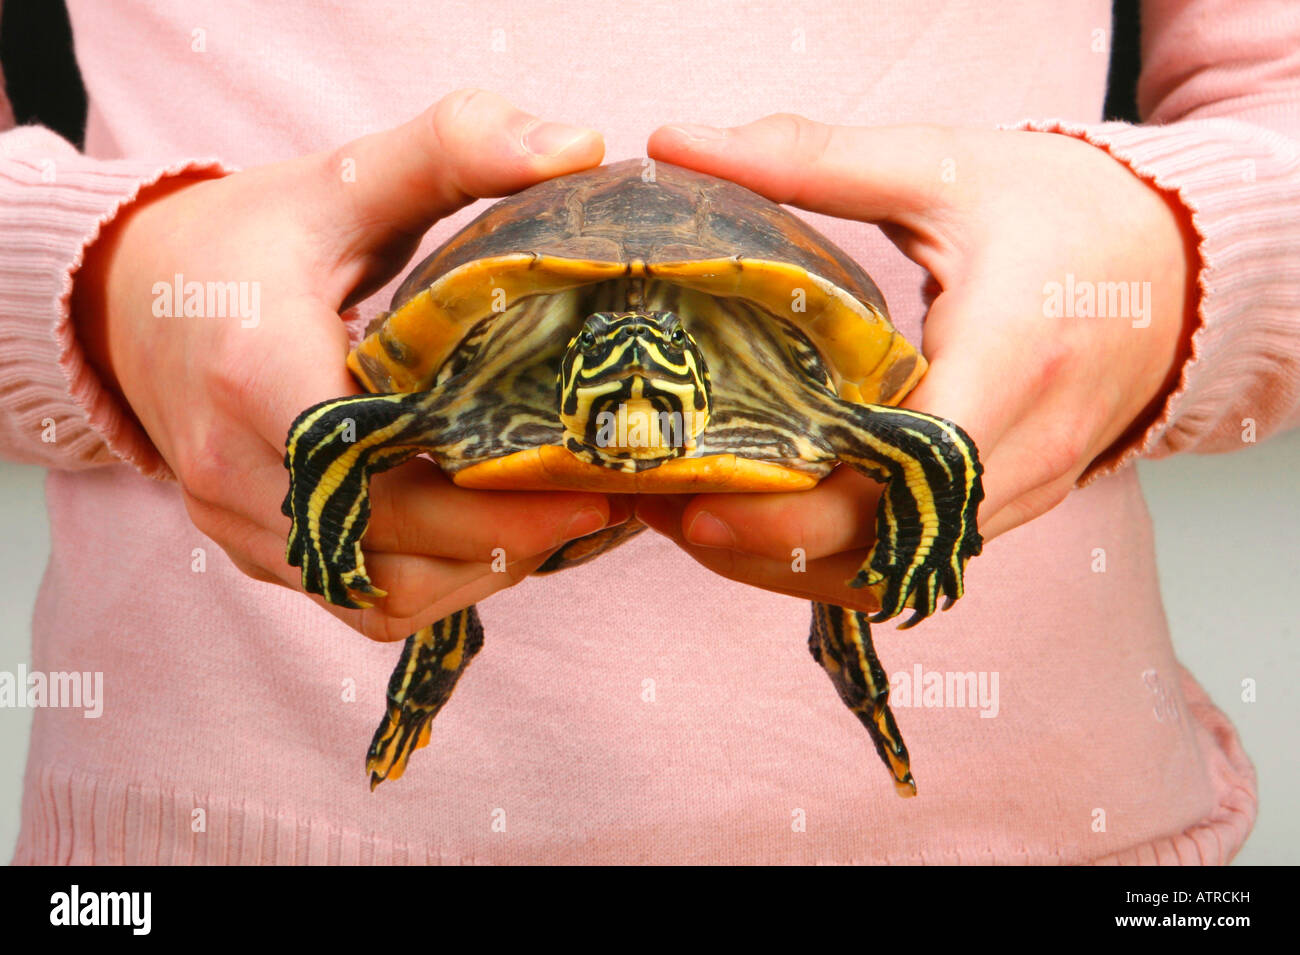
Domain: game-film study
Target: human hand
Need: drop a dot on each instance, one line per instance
(217, 393)
(1042, 397)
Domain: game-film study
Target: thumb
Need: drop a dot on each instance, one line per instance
(987, 383)
(873, 174)
(902, 177)
(383, 191)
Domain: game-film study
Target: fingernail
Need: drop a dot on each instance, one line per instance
(586, 521)
(707, 531)
(699, 133)
(550, 139)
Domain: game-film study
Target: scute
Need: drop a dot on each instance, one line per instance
(643, 220)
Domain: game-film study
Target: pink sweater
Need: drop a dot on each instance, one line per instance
(229, 696)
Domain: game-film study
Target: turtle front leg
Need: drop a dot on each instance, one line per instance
(332, 450)
(432, 661)
(925, 524)
(841, 642)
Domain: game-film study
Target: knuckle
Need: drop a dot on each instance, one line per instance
(202, 515)
(1054, 357)
(203, 474)
(446, 112)
(1060, 454)
(1057, 493)
(249, 569)
(233, 374)
(809, 139)
(455, 123)
(407, 589)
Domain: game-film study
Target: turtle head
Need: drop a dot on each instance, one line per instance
(633, 385)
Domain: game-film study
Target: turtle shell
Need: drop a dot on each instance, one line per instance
(639, 219)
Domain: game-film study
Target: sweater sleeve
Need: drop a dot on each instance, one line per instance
(1219, 95)
(54, 202)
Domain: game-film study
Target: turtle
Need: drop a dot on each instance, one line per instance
(638, 327)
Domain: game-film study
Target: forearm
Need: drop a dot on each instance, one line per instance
(57, 406)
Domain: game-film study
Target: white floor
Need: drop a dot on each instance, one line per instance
(1229, 546)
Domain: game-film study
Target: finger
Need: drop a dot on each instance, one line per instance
(418, 585)
(420, 589)
(255, 572)
(825, 579)
(415, 509)
(254, 550)
(662, 513)
(874, 174)
(837, 515)
(386, 622)
(1027, 506)
(471, 144)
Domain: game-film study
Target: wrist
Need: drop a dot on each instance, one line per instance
(1178, 274)
(96, 304)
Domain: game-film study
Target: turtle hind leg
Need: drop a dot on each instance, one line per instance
(840, 641)
(431, 663)
(331, 451)
(926, 522)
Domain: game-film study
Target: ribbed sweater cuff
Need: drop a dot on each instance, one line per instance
(1241, 186)
(54, 203)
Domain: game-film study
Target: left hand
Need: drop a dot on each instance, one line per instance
(994, 217)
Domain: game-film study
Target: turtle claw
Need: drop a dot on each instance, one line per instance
(867, 577)
(921, 595)
(360, 587)
(395, 740)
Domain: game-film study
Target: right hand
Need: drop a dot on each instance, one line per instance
(217, 398)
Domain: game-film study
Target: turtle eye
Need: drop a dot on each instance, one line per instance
(678, 336)
(586, 339)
